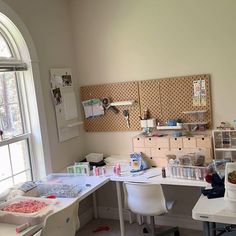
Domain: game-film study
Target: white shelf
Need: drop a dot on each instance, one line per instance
(194, 112)
(225, 149)
(196, 123)
(169, 127)
(123, 103)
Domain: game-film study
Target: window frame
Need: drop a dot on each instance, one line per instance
(24, 47)
(23, 107)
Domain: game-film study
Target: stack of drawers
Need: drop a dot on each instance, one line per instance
(156, 148)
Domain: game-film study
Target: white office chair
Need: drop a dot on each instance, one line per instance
(147, 200)
(62, 223)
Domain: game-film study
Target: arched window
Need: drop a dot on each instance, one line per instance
(14, 131)
(23, 139)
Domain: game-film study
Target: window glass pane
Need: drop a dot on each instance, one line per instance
(10, 115)
(5, 184)
(19, 156)
(22, 177)
(4, 48)
(5, 165)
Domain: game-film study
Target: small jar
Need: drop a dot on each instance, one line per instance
(163, 172)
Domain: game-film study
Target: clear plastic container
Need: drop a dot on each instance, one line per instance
(187, 172)
(61, 185)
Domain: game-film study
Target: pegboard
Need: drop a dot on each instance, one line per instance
(110, 121)
(164, 98)
(169, 98)
(149, 92)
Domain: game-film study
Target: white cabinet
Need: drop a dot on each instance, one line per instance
(224, 142)
(158, 148)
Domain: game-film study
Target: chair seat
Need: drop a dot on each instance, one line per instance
(148, 199)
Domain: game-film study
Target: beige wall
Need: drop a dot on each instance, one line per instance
(49, 25)
(123, 40)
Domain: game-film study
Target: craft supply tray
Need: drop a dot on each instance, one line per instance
(21, 218)
(60, 185)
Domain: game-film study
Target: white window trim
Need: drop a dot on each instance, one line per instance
(41, 159)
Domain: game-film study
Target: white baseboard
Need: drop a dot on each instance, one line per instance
(182, 221)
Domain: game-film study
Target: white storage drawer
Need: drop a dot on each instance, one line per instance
(150, 142)
(189, 142)
(204, 142)
(176, 142)
(138, 142)
(163, 143)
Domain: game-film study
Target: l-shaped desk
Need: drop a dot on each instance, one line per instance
(152, 175)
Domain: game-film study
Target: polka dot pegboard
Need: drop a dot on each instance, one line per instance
(110, 121)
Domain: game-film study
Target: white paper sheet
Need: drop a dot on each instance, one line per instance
(70, 106)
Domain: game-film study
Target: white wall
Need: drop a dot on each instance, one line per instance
(49, 25)
(147, 39)
(125, 40)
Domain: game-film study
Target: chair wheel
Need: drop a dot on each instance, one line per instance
(145, 231)
(176, 233)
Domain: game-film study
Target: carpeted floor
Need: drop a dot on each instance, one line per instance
(114, 229)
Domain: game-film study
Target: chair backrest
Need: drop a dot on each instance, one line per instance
(63, 222)
(144, 198)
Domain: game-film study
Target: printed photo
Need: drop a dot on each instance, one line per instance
(57, 96)
(66, 81)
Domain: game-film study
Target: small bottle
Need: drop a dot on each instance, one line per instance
(103, 171)
(118, 169)
(94, 170)
(163, 172)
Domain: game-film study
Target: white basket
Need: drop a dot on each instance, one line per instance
(230, 202)
(21, 218)
(230, 166)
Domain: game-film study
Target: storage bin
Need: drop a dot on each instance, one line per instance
(19, 218)
(187, 172)
(61, 185)
(230, 202)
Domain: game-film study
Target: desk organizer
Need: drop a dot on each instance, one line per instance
(187, 172)
(60, 185)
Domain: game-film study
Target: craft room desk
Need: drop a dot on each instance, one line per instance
(91, 184)
(211, 211)
(152, 175)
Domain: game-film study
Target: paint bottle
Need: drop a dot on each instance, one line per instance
(94, 170)
(163, 172)
(118, 169)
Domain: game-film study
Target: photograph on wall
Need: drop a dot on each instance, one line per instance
(56, 93)
(66, 80)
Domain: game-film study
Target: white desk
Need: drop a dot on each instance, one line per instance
(93, 183)
(212, 210)
(152, 175)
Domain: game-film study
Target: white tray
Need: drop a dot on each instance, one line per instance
(21, 218)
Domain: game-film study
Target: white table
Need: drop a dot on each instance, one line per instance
(152, 175)
(214, 211)
(90, 186)
(93, 183)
